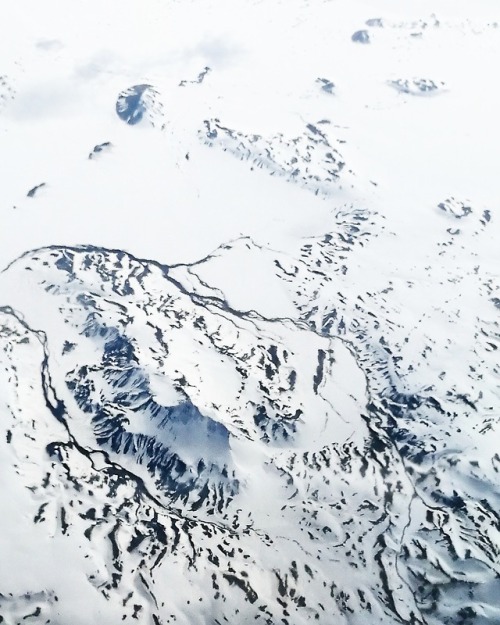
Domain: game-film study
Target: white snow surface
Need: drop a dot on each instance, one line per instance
(249, 342)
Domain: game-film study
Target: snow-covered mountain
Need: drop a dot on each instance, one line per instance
(249, 313)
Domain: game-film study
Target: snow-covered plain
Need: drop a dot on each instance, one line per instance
(249, 312)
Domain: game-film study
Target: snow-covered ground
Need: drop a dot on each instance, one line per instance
(249, 316)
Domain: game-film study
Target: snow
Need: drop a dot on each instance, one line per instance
(333, 332)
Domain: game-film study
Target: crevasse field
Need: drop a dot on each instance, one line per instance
(249, 312)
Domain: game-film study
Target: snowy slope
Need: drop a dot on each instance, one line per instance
(249, 312)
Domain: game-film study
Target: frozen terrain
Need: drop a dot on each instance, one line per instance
(249, 312)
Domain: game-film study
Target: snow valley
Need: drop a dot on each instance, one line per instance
(249, 313)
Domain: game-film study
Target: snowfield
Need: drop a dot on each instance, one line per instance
(249, 312)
